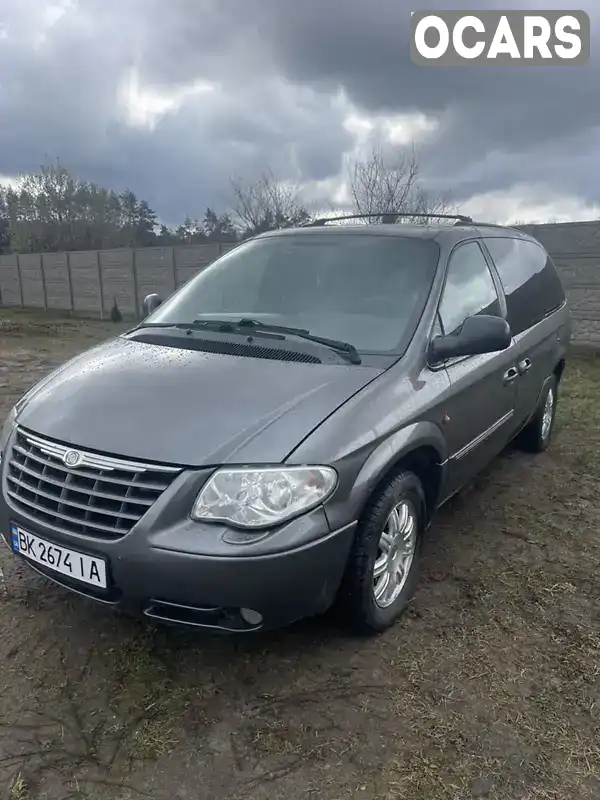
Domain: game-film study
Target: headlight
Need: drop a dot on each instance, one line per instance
(257, 498)
(7, 429)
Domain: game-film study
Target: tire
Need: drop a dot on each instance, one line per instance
(537, 434)
(361, 611)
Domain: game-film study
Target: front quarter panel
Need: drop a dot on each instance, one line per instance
(393, 416)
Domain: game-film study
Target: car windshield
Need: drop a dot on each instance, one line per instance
(365, 289)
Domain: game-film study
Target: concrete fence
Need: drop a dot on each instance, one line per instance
(88, 282)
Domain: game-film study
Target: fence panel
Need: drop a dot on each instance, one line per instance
(30, 269)
(56, 278)
(10, 284)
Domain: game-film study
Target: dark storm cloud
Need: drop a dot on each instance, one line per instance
(279, 67)
(61, 100)
(363, 46)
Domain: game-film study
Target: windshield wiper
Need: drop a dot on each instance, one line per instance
(218, 325)
(246, 325)
(302, 333)
(181, 325)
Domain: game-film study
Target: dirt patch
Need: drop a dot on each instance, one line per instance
(490, 687)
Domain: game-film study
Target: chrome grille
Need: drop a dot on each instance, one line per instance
(102, 496)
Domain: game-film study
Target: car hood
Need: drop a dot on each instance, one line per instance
(184, 407)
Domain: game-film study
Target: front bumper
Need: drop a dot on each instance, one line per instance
(201, 575)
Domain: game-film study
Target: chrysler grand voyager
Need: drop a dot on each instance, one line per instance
(276, 436)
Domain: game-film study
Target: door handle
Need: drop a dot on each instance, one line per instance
(511, 375)
(524, 366)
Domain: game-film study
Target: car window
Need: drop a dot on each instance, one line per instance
(529, 280)
(366, 289)
(469, 288)
(515, 263)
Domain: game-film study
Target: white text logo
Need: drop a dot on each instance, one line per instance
(454, 38)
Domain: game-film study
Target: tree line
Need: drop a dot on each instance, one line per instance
(54, 210)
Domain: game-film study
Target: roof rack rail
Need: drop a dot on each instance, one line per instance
(490, 225)
(388, 217)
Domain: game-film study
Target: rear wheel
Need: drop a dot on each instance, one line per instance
(536, 436)
(383, 566)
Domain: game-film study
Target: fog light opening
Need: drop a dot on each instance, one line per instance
(250, 616)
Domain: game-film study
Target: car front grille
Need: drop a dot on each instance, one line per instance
(101, 496)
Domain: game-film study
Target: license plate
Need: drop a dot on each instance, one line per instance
(58, 558)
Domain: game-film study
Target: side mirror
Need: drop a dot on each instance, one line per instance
(150, 304)
(477, 335)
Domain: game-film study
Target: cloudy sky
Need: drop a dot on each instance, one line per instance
(173, 98)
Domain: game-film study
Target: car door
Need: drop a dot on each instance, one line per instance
(533, 291)
(479, 411)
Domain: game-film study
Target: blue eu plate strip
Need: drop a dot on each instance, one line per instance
(14, 537)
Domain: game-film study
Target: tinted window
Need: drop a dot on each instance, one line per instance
(529, 279)
(469, 288)
(364, 289)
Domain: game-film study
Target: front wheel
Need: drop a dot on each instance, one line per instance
(536, 436)
(383, 566)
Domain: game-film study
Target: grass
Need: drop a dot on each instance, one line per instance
(152, 740)
(23, 324)
(18, 789)
(580, 414)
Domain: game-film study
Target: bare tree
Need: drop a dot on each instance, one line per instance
(424, 201)
(390, 184)
(266, 203)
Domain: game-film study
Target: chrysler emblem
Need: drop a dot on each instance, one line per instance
(72, 458)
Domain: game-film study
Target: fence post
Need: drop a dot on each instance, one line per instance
(173, 268)
(100, 284)
(20, 278)
(70, 283)
(43, 274)
(134, 283)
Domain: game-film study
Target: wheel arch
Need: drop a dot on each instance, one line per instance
(420, 448)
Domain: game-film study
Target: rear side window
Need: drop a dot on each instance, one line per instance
(529, 279)
(469, 288)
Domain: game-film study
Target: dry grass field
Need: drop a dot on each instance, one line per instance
(488, 688)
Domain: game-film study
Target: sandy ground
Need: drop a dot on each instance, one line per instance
(489, 687)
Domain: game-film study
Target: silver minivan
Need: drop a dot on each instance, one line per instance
(275, 437)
